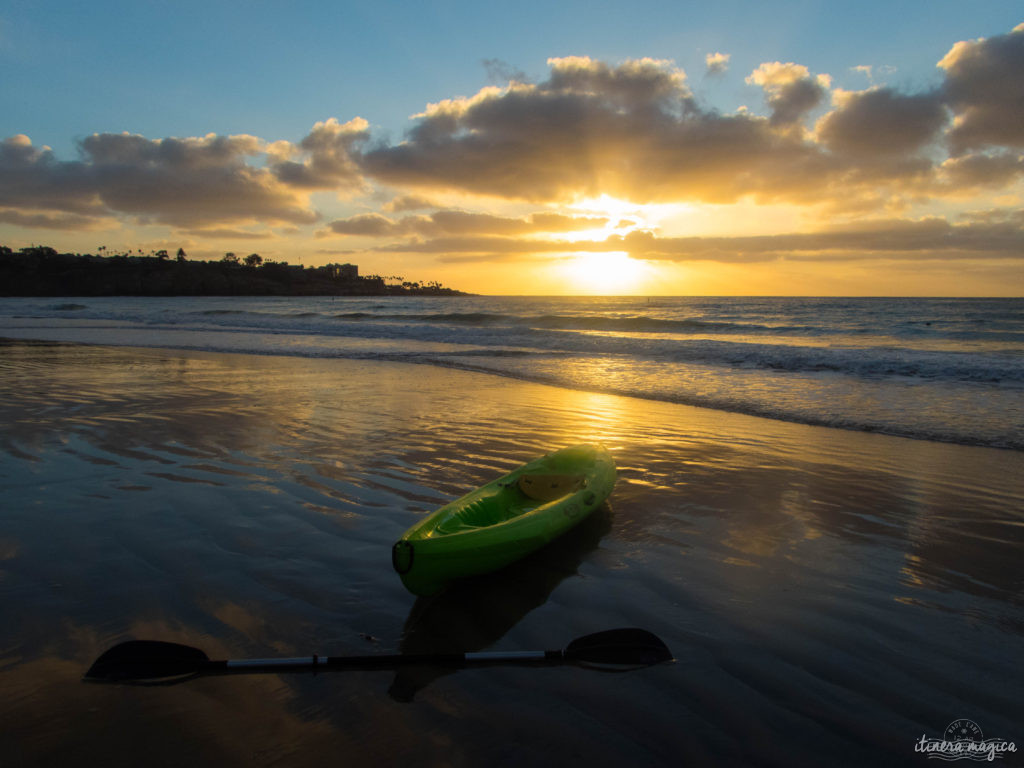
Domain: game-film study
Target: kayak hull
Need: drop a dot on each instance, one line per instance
(505, 520)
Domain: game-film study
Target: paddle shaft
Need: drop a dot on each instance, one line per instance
(326, 663)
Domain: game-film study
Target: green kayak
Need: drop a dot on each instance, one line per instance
(504, 520)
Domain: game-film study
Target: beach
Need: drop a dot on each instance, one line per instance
(830, 596)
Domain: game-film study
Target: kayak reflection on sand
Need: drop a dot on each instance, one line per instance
(475, 613)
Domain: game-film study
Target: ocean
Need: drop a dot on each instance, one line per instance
(949, 370)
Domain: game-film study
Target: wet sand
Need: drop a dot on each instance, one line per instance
(830, 596)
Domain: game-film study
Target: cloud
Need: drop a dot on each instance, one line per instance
(462, 223)
(967, 173)
(638, 83)
(790, 90)
(984, 85)
(632, 132)
(326, 157)
(880, 122)
(226, 233)
(500, 72)
(481, 248)
(190, 182)
(370, 224)
(408, 203)
(932, 238)
(59, 221)
(995, 236)
(32, 178)
(717, 63)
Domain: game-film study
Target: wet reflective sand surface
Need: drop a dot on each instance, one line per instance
(828, 595)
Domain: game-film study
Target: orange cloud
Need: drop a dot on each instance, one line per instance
(997, 235)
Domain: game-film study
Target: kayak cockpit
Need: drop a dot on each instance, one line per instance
(548, 487)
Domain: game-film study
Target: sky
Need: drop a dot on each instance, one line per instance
(646, 148)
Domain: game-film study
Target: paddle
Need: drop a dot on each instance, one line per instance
(154, 662)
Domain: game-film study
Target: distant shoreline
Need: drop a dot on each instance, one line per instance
(40, 271)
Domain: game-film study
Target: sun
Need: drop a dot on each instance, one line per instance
(608, 273)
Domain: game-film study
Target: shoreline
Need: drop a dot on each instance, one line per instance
(539, 379)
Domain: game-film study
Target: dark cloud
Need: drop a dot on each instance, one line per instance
(985, 87)
(881, 122)
(61, 221)
(33, 178)
(188, 182)
(632, 132)
(628, 131)
(965, 174)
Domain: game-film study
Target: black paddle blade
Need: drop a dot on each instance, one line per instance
(629, 648)
(146, 661)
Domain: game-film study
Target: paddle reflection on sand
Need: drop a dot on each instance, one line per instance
(474, 614)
